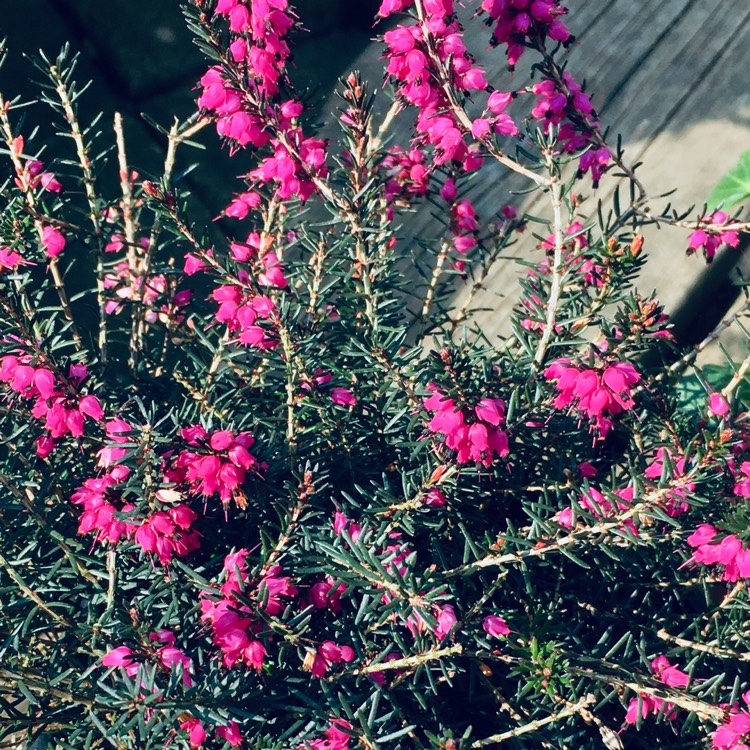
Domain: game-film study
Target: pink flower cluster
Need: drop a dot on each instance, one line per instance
(234, 123)
(266, 264)
(463, 224)
(601, 507)
(234, 625)
(215, 463)
(525, 23)
(674, 503)
(30, 177)
(417, 82)
(336, 737)
(295, 160)
(408, 176)
(713, 548)
(650, 704)
(166, 655)
(318, 662)
(242, 309)
(242, 204)
(33, 175)
(575, 241)
(495, 119)
(259, 52)
(259, 29)
(57, 403)
(474, 434)
(168, 533)
(597, 394)
(36, 177)
(104, 512)
(292, 169)
(710, 240)
(110, 518)
(566, 106)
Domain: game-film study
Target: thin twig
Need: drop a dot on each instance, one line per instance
(28, 192)
(43, 606)
(537, 724)
(89, 183)
(572, 539)
(178, 134)
(557, 271)
(445, 247)
(409, 662)
(686, 360)
(737, 378)
(722, 653)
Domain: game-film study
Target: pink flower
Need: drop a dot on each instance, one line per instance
(341, 523)
(319, 662)
(323, 595)
(118, 657)
(649, 705)
(53, 241)
(343, 397)
(195, 730)
(434, 498)
(10, 259)
(728, 552)
(712, 237)
(669, 674)
(495, 626)
(446, 619)
(336, 737)
(193, 264)
(718, 405)
(230, 733)
(732, 735)
(742, 486)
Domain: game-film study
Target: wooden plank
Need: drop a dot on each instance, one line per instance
(701, 34)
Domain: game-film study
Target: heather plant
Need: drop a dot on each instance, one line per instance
(273, 487)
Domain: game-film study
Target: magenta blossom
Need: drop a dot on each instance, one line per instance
(495, 626)
(336, 737)
(596, 394)
(711, 239)
(474, 434)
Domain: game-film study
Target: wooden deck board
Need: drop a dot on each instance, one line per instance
(678, 112)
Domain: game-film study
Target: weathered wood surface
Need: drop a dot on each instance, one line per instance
(671, 78)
